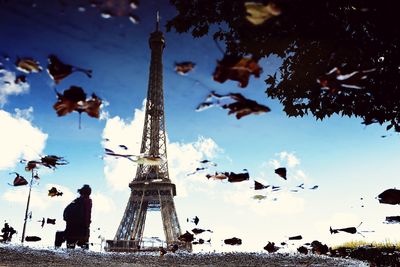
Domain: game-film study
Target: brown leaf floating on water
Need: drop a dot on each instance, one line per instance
(236, 68)
(184, 67)
(59, 70)
(28, 65)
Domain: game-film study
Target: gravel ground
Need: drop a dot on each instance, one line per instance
(11, 256)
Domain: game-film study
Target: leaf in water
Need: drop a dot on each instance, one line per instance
(28, 65)
(59, 70)
(238, 177)
(233, 241)
(237, 69)
(393, 219)
(197, 231)
(259, 186)
(52, 161)
(271, 248)
(390, 196)
(54, 192)
(149, 160)
(184, 67)
(51, 221)
(236, 104)
(186, 237)
(259, 197)
(74, 99)
(259, 13)
(297, 237)
(281, 172)
(218, 176)
(20, 79)
(19, 180)
(32, 239)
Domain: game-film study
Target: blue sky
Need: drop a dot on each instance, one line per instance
(347, 160)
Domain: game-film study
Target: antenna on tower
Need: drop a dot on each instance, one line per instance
(158, 21)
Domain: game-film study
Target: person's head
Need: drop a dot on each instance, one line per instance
(85, 190)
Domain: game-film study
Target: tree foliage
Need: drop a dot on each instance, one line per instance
(321, 43)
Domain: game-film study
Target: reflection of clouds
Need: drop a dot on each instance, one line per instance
(20, 139)
(9, 87)
(275, 203)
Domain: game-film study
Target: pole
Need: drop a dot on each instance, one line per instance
(27, 209)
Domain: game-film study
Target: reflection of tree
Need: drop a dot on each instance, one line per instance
(313, 37)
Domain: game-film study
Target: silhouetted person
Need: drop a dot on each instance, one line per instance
(77, 216)
(8, 232)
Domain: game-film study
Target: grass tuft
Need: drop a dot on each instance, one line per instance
(387, 243)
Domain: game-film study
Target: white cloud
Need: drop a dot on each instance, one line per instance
(104, 115)
(19, 139)
(290, 158)
(275, 203)
(9, 87)
(102, 203)
(183, 158)
(26, 114)
(39, 197)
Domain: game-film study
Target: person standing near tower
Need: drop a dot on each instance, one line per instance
(77, 216)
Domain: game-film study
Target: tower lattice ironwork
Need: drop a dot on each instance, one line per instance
(151, 189)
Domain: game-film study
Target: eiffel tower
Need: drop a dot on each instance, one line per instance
(151, 189)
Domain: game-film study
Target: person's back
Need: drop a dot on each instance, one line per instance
(77, 216)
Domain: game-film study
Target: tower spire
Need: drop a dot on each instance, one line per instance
(158, 21)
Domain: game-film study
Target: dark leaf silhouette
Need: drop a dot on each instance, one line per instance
(197, 231)
(393, 219)
(259, 186)
(19, 180)
(51, 221)
(271, 248)
(54, 192)
(236, 68)
(162, 251)
(208, 162)
(74, 99)
(390, 196)
(233, 241)
(32, 238)
(59, 70)
(350, 230)
(42, 221)
(259, 13)
(297, 237)
(302, 250)
(28, 65)
(52, 161)
(319, 248)
(238, 177)
(237, 104)
(184, 67)
(31, 165)
(195, 220)
(186, 237)
(123, 147)
(275, 188)
(281, 172)
(218, 176)
(20, 79)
